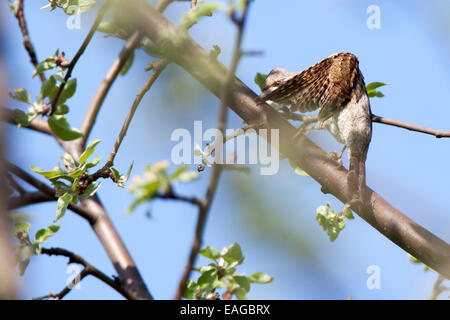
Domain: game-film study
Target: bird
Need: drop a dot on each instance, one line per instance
(335, 86)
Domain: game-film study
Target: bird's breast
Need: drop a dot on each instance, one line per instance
(352, 122)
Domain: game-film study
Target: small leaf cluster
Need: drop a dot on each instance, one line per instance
(72, 181)
(156, 180)
(332, 222)
(68, 179)
(57, 122)
(70, 7)
(27, 248)
(371, 89)
(221, 274)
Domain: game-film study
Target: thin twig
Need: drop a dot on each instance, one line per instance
(217, 169)
(173, 196)
(158, 67)
(212, 147)
(26, 38)
(412, 127)
(77, 56)
(88, 270)
(105, 85)
(396, 123)
(438, 288)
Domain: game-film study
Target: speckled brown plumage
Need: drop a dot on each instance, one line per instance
(336, 87)
(327, 85)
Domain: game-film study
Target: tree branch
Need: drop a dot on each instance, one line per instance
(392, 223)
(27, 199)
(48, 191)
(80, 51)
(88, 270)
(412, 127)
(26, 38)
(217, 169)
(158, 67)
(105, 85)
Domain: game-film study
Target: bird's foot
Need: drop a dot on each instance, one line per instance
(333, 156)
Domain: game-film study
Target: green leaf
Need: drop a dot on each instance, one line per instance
(68, 91)
(116, 173)
(259, 79)
(189, 292)
(349, 215)
(44, 234)
(241, 294)
(20, 94)
(47, 64)
(243, 282)
(93, 162)
(127, 176)
(89, 150)
(20, 117)
(48, 88)
(233, 254)
(57, 173)
(14, 6)
(374, 85)
(210, 252)
(62, 204)
(330, 221)
(260, 277)
(61, 128)
(91, 189)
(207, 280)
(127, 65)
(370, 88)
(377, 94)
(61, 109)
(20, 230)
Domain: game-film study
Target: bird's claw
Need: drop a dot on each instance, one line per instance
(333, 156)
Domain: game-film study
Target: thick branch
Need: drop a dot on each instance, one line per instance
(27, 199)
(400, 229)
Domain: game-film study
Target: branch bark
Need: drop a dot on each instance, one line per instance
(88, 270)
(392, 223)
(26, 38)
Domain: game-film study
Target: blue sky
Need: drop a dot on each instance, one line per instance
(410, 52)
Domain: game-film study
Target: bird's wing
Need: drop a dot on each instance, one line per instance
(327, 85)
